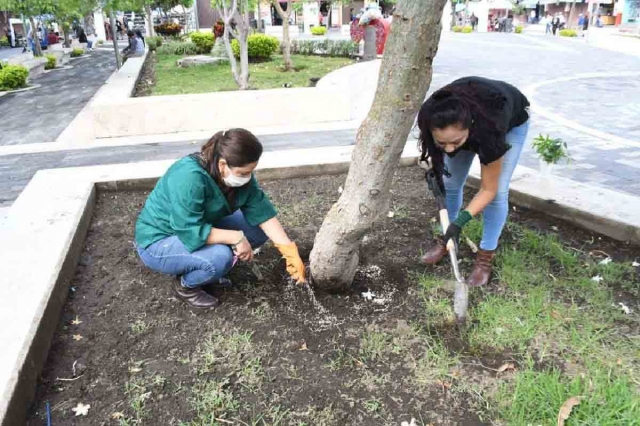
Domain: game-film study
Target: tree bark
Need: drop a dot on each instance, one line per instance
(37, 49)
(114, 32)
(405, 76)
(149, 13)
(286, 39)
(231, 14)
(571, 13)
(243, 30)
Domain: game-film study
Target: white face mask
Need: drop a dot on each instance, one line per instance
(233, 181)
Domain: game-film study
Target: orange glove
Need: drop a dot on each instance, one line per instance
(295, 267)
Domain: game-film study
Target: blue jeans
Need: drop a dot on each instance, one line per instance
(495, 214)
(205, 265)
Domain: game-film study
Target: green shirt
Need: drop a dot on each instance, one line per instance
(187, 202)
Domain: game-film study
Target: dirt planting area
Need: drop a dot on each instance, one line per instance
(559, 320)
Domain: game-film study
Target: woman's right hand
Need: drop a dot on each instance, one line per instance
(244, 251)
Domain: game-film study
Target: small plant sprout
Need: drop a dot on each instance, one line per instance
(550, 150)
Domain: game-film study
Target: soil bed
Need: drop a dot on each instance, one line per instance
(268, 356)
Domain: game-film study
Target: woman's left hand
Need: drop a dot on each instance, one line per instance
(453, 233)
(295, 266)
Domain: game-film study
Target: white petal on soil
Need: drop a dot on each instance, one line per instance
(605, 261)
(625, 308)
(340, 190)
(390, 215)
(635, 264)
(597, 278)
(368, 295)
(413, 423)
(81, 409)
(555, 228)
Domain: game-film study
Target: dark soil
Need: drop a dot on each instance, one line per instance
(313, 363)
(147, 78)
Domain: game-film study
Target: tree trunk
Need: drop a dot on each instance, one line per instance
(37, 49)
(149, 13)
(243, 29)
(454, 21)
(405, 76)
(286, 38)
(66, 28)
(114, 32)
(89, 24)
(571, 12)
(259, 21)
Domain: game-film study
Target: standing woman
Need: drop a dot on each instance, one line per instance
(474, 116)
(207, 212)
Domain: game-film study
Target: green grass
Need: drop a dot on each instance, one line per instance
(567, 330)
(173, 80)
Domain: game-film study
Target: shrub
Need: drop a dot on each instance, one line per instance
(51, 62)
(168, 29)
(260, 46)
(318, 31)
(519, 29)
(568, 33)
(13, 77)
(77, 52)
(467, 29)
(218, 29)
(333, 48)
(456, 29)
(153, 43)
(178, 48)
(4, 42)
(203, 41)
(100, 42)
(551, 151)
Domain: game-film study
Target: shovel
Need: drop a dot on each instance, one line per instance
(461, 289)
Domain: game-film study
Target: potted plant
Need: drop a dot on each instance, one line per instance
(551, 151)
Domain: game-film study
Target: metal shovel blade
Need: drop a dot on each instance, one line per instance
(461, 291)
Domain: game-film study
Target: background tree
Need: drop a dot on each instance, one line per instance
(235, 14)
(31, 9)
(66, 12)
(405, 76)
(285, 15)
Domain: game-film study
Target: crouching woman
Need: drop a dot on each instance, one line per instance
(206, 213)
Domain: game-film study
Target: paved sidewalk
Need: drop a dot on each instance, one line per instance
(40, 115)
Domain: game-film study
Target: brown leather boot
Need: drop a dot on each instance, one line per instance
(196, 297)
(435, 253)
(482, 268)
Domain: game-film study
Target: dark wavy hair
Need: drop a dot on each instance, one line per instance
(469, 106)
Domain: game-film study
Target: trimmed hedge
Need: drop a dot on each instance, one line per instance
(568, 33)
(203, 41)
(77, 52)
(153, 43)
(260, 46)
(51, 62)
(13, 77)
(319, 31)
(333, 48)
(178, 48)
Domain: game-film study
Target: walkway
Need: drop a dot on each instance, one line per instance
(589, 97)
(40, 115)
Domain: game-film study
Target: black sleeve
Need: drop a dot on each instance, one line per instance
(488, 155)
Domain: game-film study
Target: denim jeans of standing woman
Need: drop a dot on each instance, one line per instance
(204, 266)
(495, 214)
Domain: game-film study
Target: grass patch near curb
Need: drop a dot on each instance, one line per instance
(174, 80)
(558, 312)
